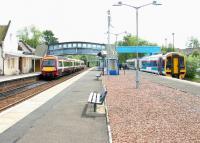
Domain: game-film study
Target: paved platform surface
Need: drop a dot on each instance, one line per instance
(161, 110)
(65, 118)
(13, 77)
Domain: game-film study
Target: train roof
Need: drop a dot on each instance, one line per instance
(62, 58)
(175, 53)
(130, 60)
(152, 57)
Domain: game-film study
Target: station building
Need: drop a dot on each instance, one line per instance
(16, 57)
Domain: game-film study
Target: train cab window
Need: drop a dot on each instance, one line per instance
(181, 61)
(169, 62)
(48, 63)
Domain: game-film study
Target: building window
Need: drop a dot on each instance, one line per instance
(89, 46)
(50, 47)
(84, 45)
(74, 45)
(69, 45)
(56, 47)
(79, 45)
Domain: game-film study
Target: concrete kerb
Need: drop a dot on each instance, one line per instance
(107, 121)
(108, 124)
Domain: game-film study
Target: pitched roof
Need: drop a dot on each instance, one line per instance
(25, 48)
(3, 31)
(41, 50)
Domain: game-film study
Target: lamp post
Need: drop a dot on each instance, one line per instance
(116, 37)
(137, 8)
(165, 42)
(173, 40)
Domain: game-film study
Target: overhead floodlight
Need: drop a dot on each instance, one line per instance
(118, 4)
(102, 54)
(155, 3)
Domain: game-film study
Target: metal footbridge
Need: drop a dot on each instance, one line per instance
(75, 48)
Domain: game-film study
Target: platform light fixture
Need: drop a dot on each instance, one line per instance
(137, 8)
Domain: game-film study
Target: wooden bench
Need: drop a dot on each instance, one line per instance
(97, 98)
(98, 76)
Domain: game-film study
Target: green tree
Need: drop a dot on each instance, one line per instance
(193, 43)
(191, 66)
(130, 40)
(49, 38)
(167, 49)
(30, 35)
(196, 54)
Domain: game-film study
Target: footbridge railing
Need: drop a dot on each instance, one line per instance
(75, 48)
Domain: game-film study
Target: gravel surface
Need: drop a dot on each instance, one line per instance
(153, 113)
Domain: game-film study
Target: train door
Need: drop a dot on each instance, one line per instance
(175, 66)
(160, 61)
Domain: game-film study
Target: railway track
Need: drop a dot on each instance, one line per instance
(15, 96)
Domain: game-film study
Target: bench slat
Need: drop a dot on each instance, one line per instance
(98, 98)
(90, 97)
(94, 98)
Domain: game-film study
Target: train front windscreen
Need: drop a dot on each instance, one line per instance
(48, 63)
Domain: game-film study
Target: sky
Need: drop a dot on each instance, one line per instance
(86, 20)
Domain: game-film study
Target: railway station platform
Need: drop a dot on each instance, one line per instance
(163, 109)
(58, 115)
(20, 76)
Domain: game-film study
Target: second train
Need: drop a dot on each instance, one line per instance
(171, 64)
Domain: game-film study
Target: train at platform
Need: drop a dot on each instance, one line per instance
(56, 66)
(172, 64)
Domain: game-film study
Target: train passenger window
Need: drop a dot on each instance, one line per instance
(144, 64)
(153, 63)
(66, 64)
(48, 63)
(169, 62)
(181, 61)
(60, 64)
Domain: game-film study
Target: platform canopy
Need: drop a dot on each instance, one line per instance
(138, 49)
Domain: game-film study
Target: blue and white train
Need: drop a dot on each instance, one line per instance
(171, 64)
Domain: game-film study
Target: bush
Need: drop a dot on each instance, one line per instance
(191, 66)
(198, 72)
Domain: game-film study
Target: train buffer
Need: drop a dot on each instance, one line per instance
(97, 98)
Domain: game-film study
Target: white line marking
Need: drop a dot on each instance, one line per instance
(14, 114)
(181, 80)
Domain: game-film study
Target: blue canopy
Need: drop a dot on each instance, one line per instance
(138, 49)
